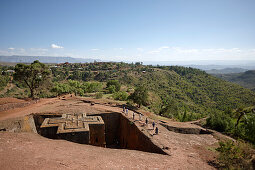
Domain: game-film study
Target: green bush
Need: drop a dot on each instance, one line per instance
(170, 110)
(3, 81)
(235, 155)
(61, 88)
(111, 89)
(90, 87)
(140, 96)
(120, 95)
(77, 87)
(220, 121)
(249, 128)
(99, 95)
(114, 83)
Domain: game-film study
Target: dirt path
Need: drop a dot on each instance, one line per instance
(17, 112)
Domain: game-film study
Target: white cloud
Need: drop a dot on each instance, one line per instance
(227, 50)
(140, 49)
(222, 50)
(118, 48)
(182, 50)
(11, 48)
(39, 49)
(159, 50)
(22, 50)
(153, 52)
(3, 52)
(164, 47)
(166, 53)
(56, 46)
(94, 49)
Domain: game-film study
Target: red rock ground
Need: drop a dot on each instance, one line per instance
(32, 151)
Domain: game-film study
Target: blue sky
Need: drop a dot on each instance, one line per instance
(130, 30)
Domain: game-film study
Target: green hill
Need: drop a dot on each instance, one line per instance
(190, 89)
(226, 71)
(176, 92)
(173, 89)
(246, 79)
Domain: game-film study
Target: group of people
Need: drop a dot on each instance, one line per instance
(140, 118)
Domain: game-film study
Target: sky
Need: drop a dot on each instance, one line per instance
(129, 30)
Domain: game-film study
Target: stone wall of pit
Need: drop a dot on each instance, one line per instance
(122, 133)
(21, 124)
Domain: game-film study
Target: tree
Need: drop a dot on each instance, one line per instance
(3, 81)
(61, 88)
(140, 96)
(120, 95)
(111, 89)
(34, 75)
(90, 87)
(77, 75)
(114, 83)
(169, 109)
(184, 116)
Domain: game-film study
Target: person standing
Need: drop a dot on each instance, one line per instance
(156, 130)
(153, 124)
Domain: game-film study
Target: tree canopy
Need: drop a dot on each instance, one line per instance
(114, 83)
(140, 96)
(34, 75)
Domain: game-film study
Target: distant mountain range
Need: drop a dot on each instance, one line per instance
(226, 71)
(43, 59)
(208, 64)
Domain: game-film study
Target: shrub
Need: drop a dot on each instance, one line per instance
(171, 110)
(140, 96)
(237, 155)
(61, 88)
(90, 87)
(99, 95)
(121, 95)
(111, 89)
(114, 83)
(3, 81)
(220, 121)
(249, 129)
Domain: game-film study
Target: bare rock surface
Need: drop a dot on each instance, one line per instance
(32, 151)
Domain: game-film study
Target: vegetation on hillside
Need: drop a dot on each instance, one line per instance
(4, 78)
(239, 123)
(140, 96)
(173, 91)
(235, 155)
(246, 79)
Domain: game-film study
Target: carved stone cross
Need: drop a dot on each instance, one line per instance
(70, 123)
